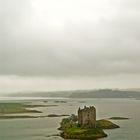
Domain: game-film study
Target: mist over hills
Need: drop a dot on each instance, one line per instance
(98, 93)
(107, 93)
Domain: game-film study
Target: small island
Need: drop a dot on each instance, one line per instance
(56, 115)
(85, 125)
(119, 118)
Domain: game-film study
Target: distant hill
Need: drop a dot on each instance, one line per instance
(100, 93)
(106, 93)
(42, 94)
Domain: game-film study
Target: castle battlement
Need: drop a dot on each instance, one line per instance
(87, 108)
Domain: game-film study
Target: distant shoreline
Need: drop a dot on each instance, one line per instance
(100, 93)
(30, 98)
(55, 98)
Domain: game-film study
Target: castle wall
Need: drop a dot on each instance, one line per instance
(87, 117)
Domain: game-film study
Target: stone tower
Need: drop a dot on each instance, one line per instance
(87, 117)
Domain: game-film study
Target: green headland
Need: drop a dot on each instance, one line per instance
(17, 110)
(14, 108)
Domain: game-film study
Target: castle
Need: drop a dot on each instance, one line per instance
(87, 117)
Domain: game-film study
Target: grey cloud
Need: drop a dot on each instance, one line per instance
(109, 47)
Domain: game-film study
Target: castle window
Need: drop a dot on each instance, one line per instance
(88, 115)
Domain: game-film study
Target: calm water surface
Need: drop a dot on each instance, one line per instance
(44, 128)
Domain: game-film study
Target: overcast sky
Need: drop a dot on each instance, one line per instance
(69, 44)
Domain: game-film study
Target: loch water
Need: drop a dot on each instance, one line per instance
(46, 128)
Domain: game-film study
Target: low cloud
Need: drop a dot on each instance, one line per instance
(62, 39)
